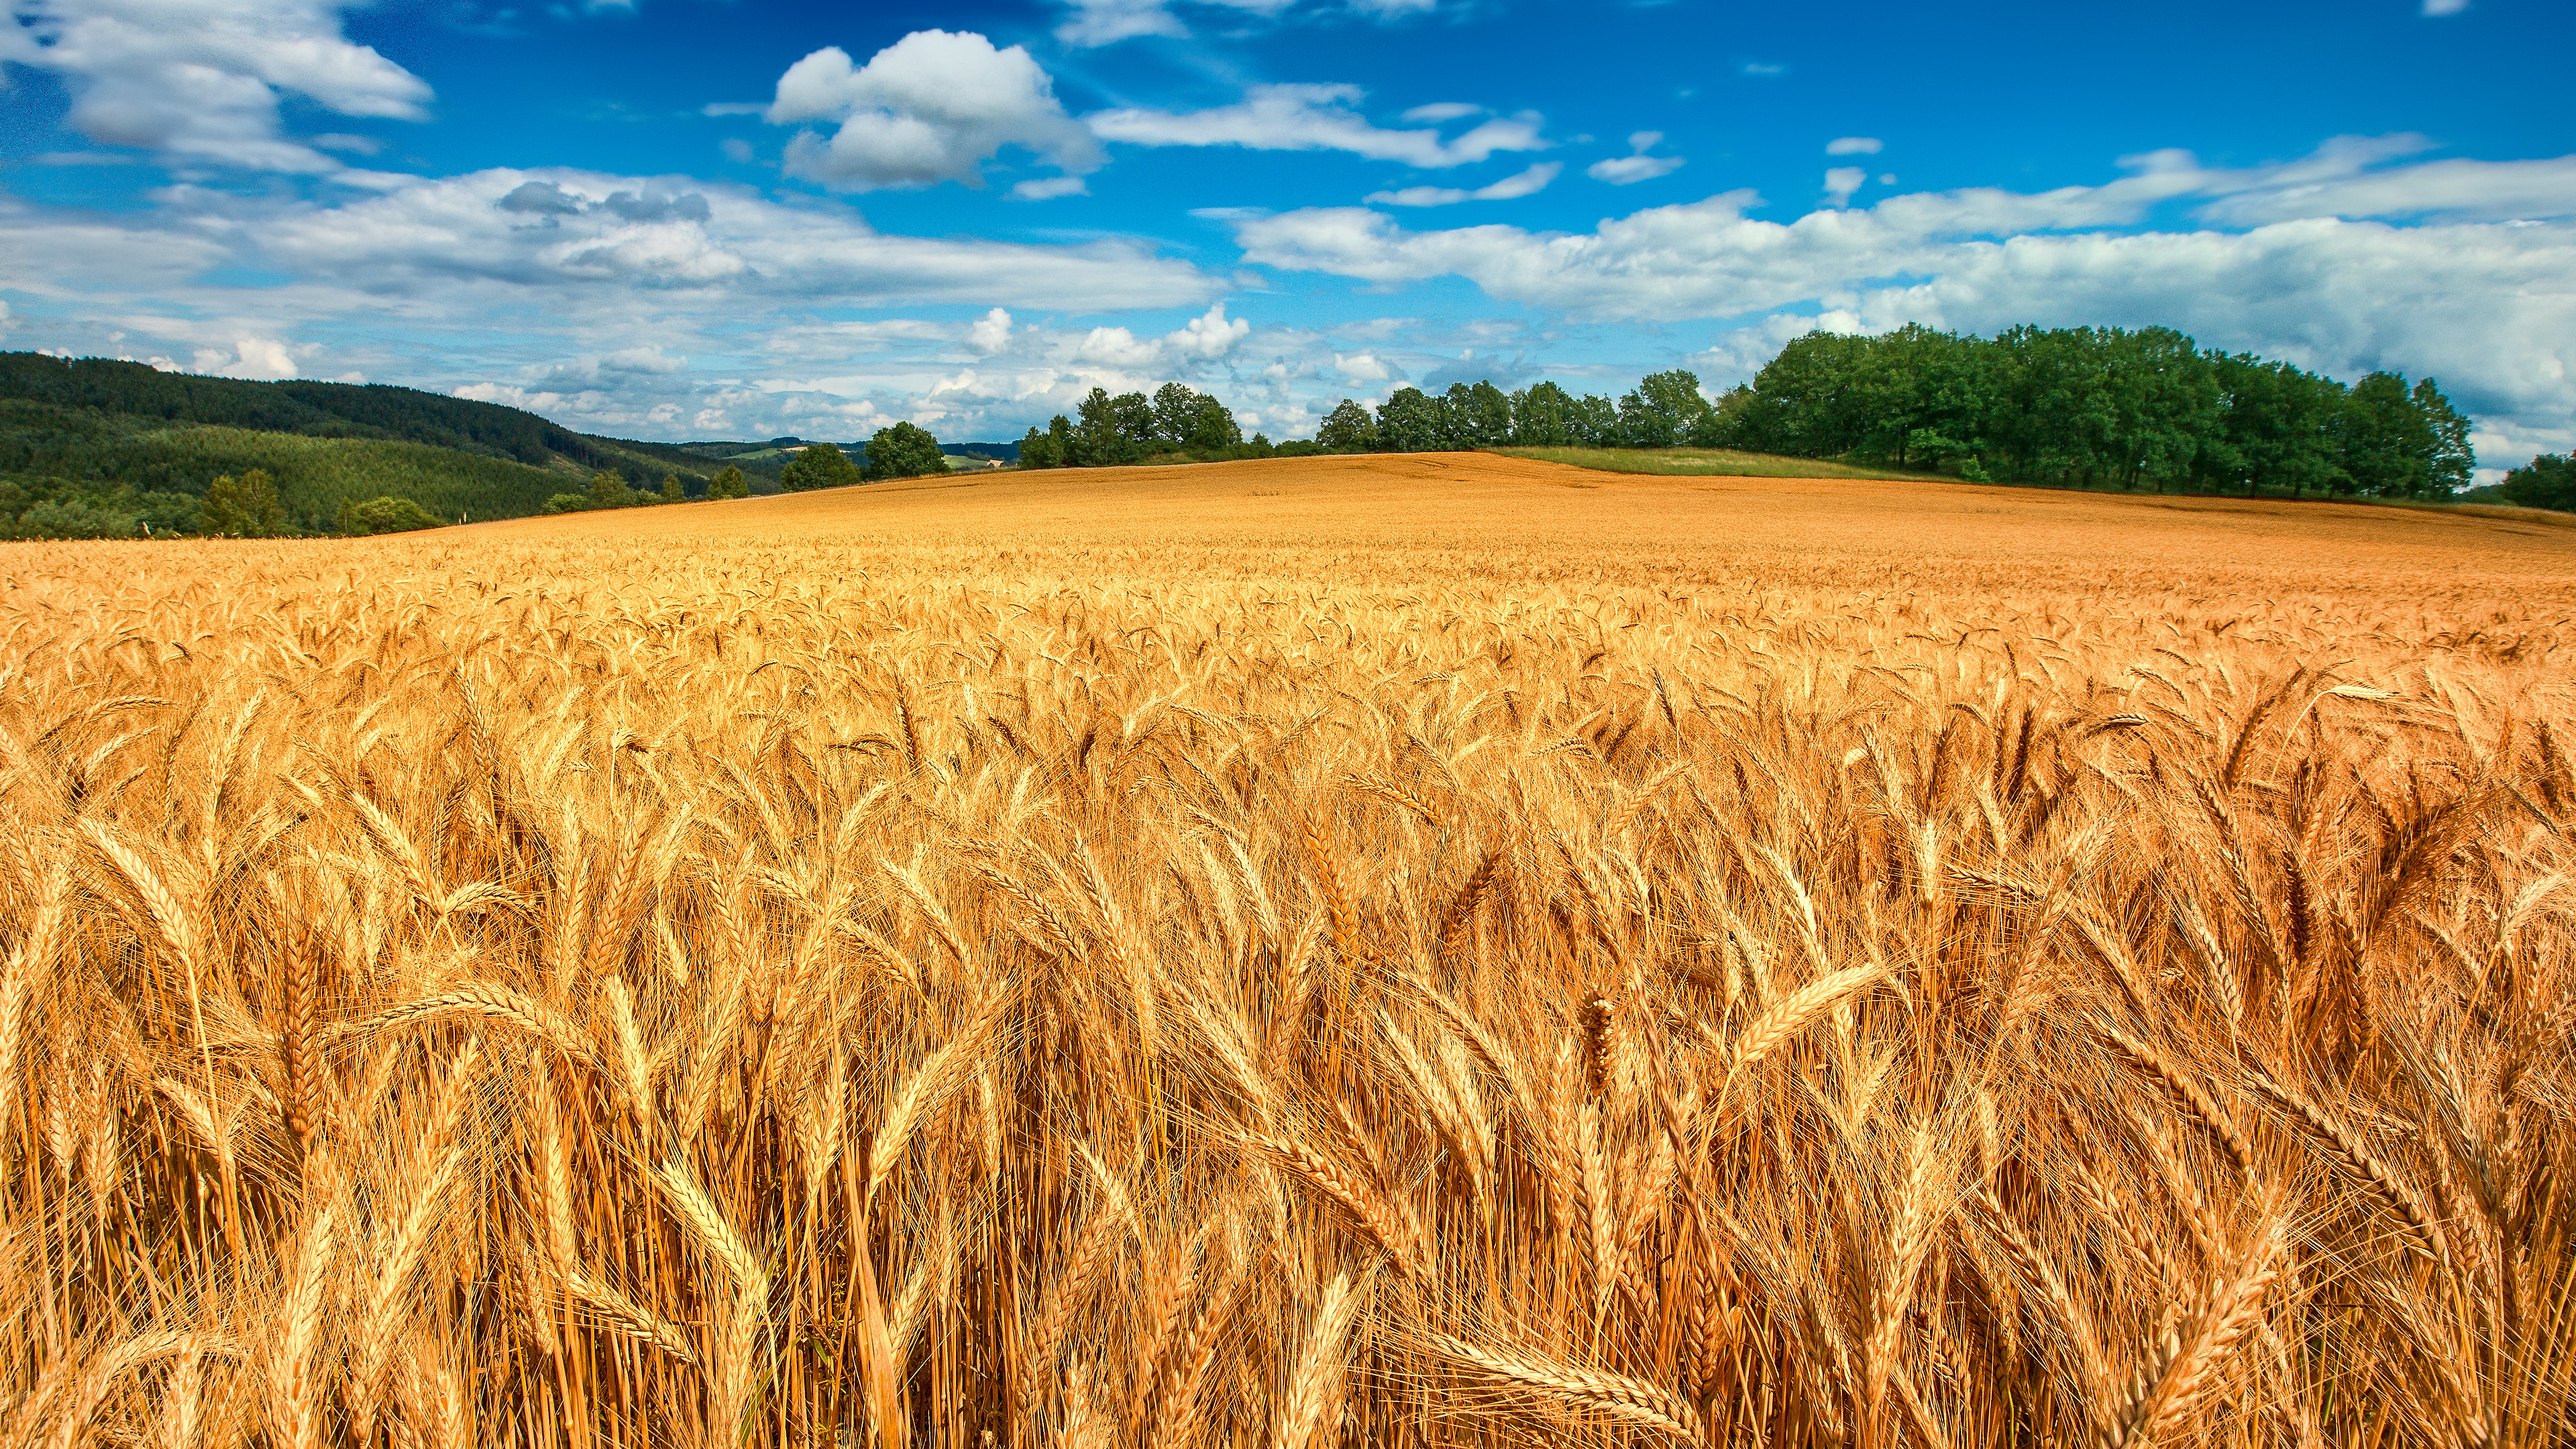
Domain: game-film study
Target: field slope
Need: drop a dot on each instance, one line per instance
(1409, 950)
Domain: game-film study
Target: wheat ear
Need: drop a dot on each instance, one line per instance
(1633, 1401)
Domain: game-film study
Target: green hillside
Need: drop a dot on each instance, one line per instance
(93, 448)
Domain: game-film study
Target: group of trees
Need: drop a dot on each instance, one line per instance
(2083, 405)
(608, 489)
(900, 450)
(2548, 481)
(1131, 428)
(2092, 406)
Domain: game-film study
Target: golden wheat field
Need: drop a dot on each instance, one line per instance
(1415, 951)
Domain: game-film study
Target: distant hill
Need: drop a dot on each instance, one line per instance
(96, 448)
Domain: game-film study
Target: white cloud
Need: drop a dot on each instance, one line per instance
(2489, 308)
(2445, 7)
(1631, 169)
(1316, 118)
(1209, 337)
(737, 150)
(1510, 188)
(1854, 146)
(1105, 22)
(261, 359)
(1117, 347)
(1048, 188)
(932, 107)
(1439, 112)
(630, 305)
(1842, 181)
(200, 80)
(991, 332)
(1364, 367)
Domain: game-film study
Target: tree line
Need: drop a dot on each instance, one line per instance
(2086, 406)
(1177, 421)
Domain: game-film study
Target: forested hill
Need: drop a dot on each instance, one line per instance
(329, 410)
(92, 447)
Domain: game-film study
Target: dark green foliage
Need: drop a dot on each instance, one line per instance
(1412, 421)
(1348, 429)
(244, 507)
(821, 465)
(1663, 412)
(672, 492)
(2100, 406)
(1047, 449)
(903, 451)
(731, 483)
(321, 410)
(1110, 431)
(123, 441)
(386, 515)
(2548, 481)
(608, 490)
(1543, 417)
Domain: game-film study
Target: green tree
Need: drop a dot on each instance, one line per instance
(1593, 421)
(1412, 421)
(244, 507)
(608, 490)
(1479, 416)
(1542, 416)
(1176, 414)
(904, 451)
(672, 492)
(2388, 443)
(78, 518)
(2548, 481)
(386, 515)
(1348, 428)
(1662, 411)
(1039, 449)
(1212, 427)
(2452, 462)
(729, 484)
(1111, 430)
(820, 465)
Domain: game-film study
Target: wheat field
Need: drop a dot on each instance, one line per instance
(1410, 951)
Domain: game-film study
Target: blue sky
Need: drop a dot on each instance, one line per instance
(738, 218)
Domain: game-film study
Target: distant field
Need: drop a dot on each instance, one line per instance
(1408, 950)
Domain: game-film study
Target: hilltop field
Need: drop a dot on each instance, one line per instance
(1428, 949)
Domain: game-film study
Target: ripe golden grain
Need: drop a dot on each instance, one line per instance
(1009, 961)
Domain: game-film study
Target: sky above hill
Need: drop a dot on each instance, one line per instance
(741, 218)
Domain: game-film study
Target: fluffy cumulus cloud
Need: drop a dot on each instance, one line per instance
(200, 81)
(1209, 337)
(1319, 118)
(934, 106)
(2325, 278)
